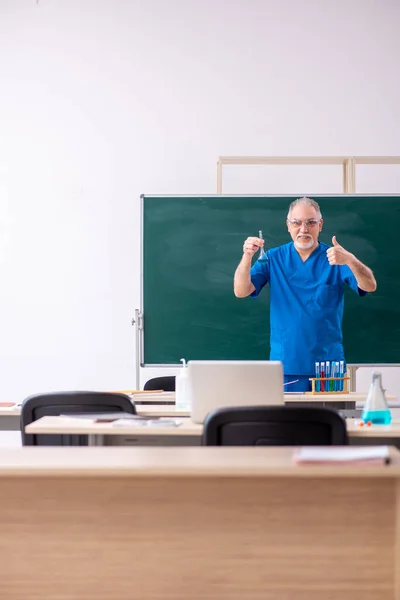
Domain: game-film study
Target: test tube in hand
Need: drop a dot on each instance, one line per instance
(263, 256)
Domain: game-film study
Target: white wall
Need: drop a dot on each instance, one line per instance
(102, 100)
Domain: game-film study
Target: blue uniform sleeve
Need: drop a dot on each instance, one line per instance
(259, 274)
(348, 277)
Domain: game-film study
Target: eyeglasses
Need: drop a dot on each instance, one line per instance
(309, 223)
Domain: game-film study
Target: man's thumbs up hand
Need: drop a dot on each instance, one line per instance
(337, 255)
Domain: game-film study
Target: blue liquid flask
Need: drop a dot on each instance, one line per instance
(263, 256)
(376, 408)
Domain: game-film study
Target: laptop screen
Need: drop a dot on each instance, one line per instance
(218, 384)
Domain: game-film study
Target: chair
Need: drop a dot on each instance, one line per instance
(274, 426)
(167, 383)
(56, 403)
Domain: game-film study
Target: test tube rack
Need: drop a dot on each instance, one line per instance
(329, 379)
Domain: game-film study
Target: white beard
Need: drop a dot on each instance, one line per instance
(304, 243)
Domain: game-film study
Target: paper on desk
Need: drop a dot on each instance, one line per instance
(105, 417)
(342, 455)
(147, 423)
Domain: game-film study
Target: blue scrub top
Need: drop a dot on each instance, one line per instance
(306, 306)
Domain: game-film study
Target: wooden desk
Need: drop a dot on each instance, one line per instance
(227, 523)
(352, 398)
(160, 410)
(356, 397)
(10, 416)
(163, 405)
(188, 433)
(101, 434)
(294, 399)
(169, 397)
(374, 431)
(70, 425)
(159, 398)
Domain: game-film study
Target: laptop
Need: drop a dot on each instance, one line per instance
(218, 384)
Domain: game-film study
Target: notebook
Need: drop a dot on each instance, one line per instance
(219, 384)
(342, 455)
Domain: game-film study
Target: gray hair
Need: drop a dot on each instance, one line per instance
(308, 202)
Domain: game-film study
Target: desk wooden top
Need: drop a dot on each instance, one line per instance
(167, 410)
(156, 398)
(67, 425)
(356, 429)
(164, 397)
(192, 462)
(161, 410)
(145, 410)
(163, 405)
(350, 397)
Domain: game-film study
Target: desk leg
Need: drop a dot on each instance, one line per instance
(9, 422)
(397, 545)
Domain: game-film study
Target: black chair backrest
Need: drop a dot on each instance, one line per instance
(274, 426)
(57, 403)
(166, 383)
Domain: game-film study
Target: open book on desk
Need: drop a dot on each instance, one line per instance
(147, 422)
(108, 417)
(123, 419)
(341, 455)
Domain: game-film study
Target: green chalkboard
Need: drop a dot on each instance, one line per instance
(192, 245)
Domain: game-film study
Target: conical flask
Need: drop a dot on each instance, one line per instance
(263, 256)
(376, 408)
